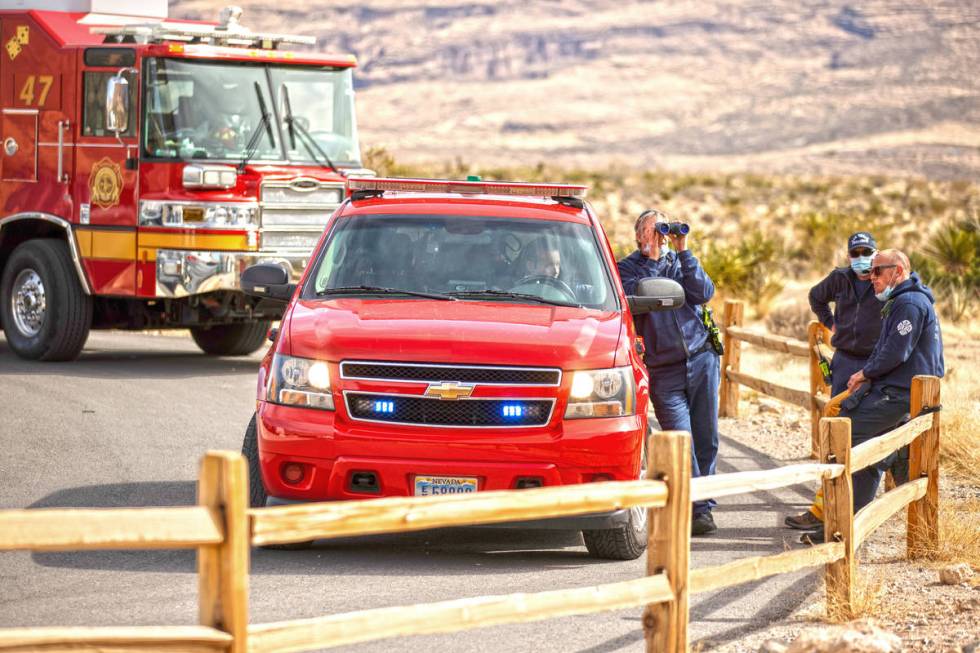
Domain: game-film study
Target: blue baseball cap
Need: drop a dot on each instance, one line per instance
(861, 239)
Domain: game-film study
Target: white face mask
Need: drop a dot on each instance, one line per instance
(663, 250)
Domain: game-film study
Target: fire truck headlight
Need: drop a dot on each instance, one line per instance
(151, 213)
(207, 215)
(300, 382)
(209, 176)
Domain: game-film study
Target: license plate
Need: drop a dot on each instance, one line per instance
(429, 486)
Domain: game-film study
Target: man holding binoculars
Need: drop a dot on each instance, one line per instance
(680, 354)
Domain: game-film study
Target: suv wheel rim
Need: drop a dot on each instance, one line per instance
(28, 302)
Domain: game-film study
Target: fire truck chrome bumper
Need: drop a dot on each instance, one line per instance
(180, 273)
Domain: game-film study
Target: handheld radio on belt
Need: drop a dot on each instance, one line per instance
(824, 366)
(714, 335)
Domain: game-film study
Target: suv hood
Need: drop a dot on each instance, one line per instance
(432, 331)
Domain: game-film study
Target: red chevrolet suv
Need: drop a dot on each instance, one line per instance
(455, 337)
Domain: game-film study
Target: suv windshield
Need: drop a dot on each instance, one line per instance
(473, 258)
(209, 110)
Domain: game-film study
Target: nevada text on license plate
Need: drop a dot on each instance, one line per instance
(426, 486)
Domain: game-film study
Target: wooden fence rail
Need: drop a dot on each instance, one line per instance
(299, 523)
(222, 529)
(816, 346)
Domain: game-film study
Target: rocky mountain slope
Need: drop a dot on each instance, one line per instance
(885, 86)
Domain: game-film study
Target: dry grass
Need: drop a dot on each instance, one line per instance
(960, 437)
(868, 596)
(959, 534)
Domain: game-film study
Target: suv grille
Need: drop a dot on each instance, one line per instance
(407, 409)
(461, 374)
(294, 212)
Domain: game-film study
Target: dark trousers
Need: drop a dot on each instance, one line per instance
(685, 398)
(880, 411)
(842, 367)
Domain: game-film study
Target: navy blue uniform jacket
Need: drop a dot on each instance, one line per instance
(910, 341)
(670, 336)
(856, 318)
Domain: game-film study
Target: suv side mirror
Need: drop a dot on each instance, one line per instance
(117, 103)
(268, 280)
(656, 294)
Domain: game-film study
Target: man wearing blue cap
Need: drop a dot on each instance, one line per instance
(855, 323)
(856, 318)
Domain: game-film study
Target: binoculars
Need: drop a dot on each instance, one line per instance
(675, 228)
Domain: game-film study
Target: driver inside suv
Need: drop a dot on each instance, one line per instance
(541, 271)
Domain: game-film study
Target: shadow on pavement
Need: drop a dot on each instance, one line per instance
(448, 551)
(131, 363)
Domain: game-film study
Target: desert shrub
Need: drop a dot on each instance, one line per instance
(383, 162)
(950, 263)
(750, 269)
(790, 318)
(822, 235)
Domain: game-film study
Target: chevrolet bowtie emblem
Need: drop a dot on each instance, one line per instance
(450, 390)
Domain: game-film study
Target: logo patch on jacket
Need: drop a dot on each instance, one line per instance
(905, 327)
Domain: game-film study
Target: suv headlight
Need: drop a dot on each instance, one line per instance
(300, 382)
(208, 215)
(602, 393)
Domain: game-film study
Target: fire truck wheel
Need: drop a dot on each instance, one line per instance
(257, 496)
(629, 541)
(45, 313)
(231, 339)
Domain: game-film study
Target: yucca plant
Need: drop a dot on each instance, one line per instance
(951, 263)
(749, 269)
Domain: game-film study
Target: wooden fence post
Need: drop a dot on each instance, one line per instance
(923, 517)
(223, 569)
(669, 544)
(728, 399)
(816, 333)
(838, 511)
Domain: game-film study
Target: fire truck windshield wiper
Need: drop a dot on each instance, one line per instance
(379, 290)
(265, 124)
(305, 137)
(503, 294)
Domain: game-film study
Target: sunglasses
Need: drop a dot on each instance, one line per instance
(876, 270)
(863, 251)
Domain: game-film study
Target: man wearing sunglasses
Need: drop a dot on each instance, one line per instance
(855, 323)
(910, 344)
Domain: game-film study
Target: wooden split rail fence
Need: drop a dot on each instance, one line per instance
(817, 346)
(222, 529)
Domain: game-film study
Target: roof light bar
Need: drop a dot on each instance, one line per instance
(228, 31)
(382, 184)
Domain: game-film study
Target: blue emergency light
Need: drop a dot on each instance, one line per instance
(512, 410)
(386, 406)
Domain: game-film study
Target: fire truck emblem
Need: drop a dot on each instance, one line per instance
(18, 41)
(105, 182)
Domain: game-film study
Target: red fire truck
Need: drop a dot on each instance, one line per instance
(146, 162)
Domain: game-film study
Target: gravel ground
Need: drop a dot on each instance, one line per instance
(901, 596)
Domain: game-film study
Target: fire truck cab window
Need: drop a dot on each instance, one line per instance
(209, 110)
(322, 103)
(93, 114)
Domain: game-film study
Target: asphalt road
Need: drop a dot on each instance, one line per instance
(126, 425)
